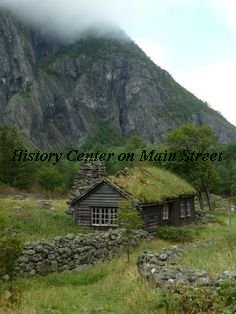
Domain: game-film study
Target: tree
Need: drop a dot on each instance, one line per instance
(13, 173)
(129, 220)
(201, 174)
(49, 178)
(227, 171)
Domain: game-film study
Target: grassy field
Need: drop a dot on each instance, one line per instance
(34, 222)
(112, 287)
(218, 257)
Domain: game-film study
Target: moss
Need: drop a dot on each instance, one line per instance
(151, 184)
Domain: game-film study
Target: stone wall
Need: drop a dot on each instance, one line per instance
(161, 268)
(203, 217)
(69, 252)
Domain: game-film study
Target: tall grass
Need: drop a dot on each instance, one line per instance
(215, 258)
(112, 287)
(33, 223)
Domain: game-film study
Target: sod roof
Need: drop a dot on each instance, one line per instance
(151, 184)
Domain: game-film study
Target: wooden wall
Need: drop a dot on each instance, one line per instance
(105, 196)
(175, 216)
(102, 196)
(151, 216)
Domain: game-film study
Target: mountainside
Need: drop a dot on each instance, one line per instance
(58, 94)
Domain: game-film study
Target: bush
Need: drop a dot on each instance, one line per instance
(227, 291)
(177, 234)
(10, 248)
(50, 179)
(182, 299)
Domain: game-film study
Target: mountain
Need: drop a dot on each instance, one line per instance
(58, 93)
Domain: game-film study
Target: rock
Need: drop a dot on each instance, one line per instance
(70, 236)
(227, 275)
(127, 77)
(69, 252)
(32, 273)
(44, 204)
(39, 248)
(5, 278)
(30, 252)
(19, 197)
(52, 209)
(156, 267)
(18, 209)
(163, 257)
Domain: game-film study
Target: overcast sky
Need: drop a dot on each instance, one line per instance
(194, 40)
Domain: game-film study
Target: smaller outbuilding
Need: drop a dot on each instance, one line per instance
(161, 197)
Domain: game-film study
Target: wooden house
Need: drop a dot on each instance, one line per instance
(161, 197)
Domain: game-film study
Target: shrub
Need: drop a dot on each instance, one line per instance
(227, 291)
(49, 178)
(176, 234)
(10, 248)
(182, 299)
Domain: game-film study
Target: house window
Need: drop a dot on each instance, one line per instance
(182, 209)
(104, 216)
(189, 208)
(165, 212)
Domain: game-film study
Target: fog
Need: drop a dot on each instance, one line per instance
(70, 19)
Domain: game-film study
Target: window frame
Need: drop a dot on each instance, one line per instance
(104, 216)
(182, 209)
(188, 208)
(165, 212)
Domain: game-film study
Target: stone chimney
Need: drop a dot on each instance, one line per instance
(90, 172)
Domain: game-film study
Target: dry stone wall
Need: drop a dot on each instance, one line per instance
(161, 268)
(72, 251)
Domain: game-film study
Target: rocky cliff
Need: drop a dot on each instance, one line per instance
(57, 94)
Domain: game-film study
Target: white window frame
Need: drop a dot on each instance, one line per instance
(104, 216)
(189, 208)
(182, 208)
(165, 212)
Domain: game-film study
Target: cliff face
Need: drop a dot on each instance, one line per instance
(58, 94)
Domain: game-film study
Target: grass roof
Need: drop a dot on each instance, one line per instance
(151, 184)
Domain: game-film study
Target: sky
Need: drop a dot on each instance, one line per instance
(194, 40)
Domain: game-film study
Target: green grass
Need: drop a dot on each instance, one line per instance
(215, 258)
(152, 184)
(111, 287)
(34, 223)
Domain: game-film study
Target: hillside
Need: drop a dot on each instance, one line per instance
(59, 94)
(101, 288)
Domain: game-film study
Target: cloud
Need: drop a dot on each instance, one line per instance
(68, 19)
(214, 83)
(71, 18)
